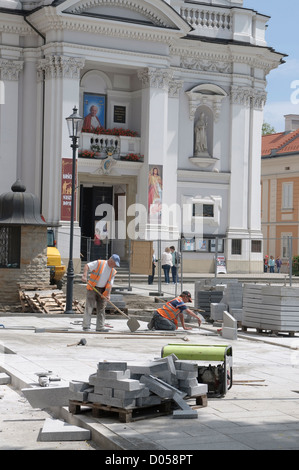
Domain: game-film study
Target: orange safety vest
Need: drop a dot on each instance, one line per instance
(95, 276)
(170, 312)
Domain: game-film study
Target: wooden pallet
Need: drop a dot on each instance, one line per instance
(201, 401)
(46, 301)
(125, 415)
(269, 331)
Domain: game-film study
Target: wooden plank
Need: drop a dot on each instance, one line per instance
(46, 301)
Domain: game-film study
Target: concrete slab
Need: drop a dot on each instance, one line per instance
(47, 397)
(57, 430)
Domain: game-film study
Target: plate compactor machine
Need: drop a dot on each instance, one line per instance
(215, 364)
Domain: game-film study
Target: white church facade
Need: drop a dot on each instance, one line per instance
(172, 95)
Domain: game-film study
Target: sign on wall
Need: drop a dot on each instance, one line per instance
(119, 114)
(66, 189)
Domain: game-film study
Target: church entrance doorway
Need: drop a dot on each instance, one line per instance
(94, 223)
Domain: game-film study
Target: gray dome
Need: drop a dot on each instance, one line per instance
(20, 208)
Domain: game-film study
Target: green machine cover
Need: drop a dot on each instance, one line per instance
(198, 352)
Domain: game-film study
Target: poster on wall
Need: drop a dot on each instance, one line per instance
(221, 265)
(201, 244)
(66, 189)
(155, 190)
(94, 111)
(188, 244)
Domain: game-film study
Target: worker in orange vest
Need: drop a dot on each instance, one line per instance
(166, 317)
(101, 277)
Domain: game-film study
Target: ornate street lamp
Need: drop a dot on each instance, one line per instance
(74, 122)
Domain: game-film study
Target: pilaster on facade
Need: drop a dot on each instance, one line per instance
(10, 69)
(9, 76)
(248, 96)
(62, 87)
(152, 77)
(57, 66)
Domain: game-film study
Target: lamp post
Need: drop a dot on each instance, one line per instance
(74, 122)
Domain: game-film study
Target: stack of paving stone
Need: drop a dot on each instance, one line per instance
(204, 298)
(139, 385)
(271, 308)
(233, 297)
(232, 302)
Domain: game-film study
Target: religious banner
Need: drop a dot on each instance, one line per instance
(155, 188)
(94, 112)
(66, 189)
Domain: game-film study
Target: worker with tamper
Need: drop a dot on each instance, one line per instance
(166, 317)
(101, 277)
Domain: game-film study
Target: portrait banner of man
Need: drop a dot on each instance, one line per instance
(94, 112)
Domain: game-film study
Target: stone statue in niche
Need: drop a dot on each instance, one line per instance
(200, 136)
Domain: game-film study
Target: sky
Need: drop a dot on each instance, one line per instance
(281, 35)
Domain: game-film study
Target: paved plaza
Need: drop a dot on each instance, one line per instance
(259, 412)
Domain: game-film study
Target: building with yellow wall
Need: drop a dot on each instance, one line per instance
(280, 191)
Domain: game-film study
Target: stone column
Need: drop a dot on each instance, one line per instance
(254, 179)
(254, 209)
(31, 124)
(154, 119)
(9, 128)
(245, 151)
(172, 157)
(62, 80)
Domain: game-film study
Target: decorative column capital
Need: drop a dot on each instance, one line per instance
(60, 67)
(259, 99)
(10, 69)
(175, 87)
(241, 95)
(247, 96)
(155, 78)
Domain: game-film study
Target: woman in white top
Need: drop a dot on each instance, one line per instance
(166, 262)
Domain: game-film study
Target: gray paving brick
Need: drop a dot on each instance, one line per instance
(112, 365)
(185, 414)
(114, 374)
(4, 378)
(162, 390)
(125, 384)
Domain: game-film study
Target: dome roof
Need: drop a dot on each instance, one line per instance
(20, 208)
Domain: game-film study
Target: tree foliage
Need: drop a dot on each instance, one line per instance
(267, 129)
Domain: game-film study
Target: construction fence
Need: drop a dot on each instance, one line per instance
(211, 255)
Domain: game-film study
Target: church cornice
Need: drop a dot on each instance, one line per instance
(156, 12)
(47, 20)
(213, 60)
(14, 24)
(131, 5)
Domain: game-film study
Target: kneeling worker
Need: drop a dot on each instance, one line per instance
(166, 317)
